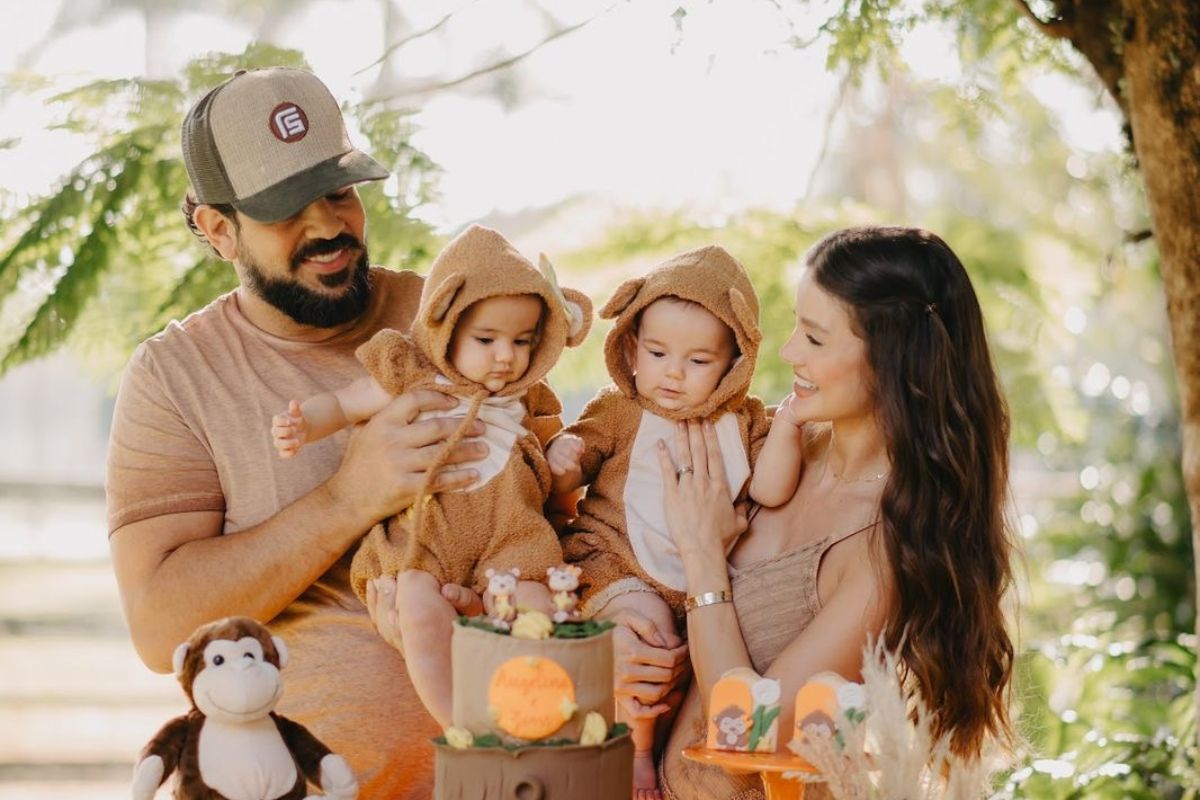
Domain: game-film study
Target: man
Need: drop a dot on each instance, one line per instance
(205, 520)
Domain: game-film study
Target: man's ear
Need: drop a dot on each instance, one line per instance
(219, 229)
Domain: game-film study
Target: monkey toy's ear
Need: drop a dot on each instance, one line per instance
(177, 659)
(281, 649)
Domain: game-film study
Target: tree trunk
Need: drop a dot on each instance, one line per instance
(1157, 43)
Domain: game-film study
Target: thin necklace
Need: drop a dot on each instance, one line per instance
(869, 479)
(838, 478)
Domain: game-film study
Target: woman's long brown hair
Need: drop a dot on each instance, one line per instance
(946, 425)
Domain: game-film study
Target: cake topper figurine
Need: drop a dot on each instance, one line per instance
(503, 585)
(563, 581)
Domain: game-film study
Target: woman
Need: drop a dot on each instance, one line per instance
(896, 526)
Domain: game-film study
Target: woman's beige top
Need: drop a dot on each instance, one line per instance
(775, 600)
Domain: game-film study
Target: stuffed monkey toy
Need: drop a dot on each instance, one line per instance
(232, 745)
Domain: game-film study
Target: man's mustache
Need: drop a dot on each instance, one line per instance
(320, 247)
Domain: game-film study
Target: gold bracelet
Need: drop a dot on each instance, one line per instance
(706, 599)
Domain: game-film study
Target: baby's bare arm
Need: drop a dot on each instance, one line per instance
(330, 412)
(777, 470)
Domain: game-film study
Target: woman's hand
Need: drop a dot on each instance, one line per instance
(701, 515)
(643, 670)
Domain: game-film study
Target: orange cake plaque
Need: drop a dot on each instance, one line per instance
(531, 697)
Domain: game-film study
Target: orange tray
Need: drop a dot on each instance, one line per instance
(769, 766)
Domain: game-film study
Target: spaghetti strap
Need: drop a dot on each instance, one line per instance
(832, 540)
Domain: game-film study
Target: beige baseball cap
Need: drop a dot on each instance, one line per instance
(269, 142)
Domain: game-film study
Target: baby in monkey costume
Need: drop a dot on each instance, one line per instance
(489, 328)
(683, 347)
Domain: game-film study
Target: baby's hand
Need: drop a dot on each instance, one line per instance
(787, 413)
(563, 456)
(289, 430)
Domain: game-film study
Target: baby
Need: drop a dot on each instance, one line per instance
(683, 347)
(489, 327)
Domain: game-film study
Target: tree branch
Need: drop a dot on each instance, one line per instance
(497, 66)
(394, 46)
(1135, 237)
(834, 107)
(1057, 28)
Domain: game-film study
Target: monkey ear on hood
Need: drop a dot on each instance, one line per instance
(177, 659)
(281, 649)
(575, 304)
(579, 308)
(442, 298)
(622, 297)
(747, 320)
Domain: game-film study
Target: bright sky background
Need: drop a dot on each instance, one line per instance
(625, 110)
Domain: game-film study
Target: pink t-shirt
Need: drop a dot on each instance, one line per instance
(191, 432)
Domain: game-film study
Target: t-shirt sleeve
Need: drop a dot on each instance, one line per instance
(156, 464)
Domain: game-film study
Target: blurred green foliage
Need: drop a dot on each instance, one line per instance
(771, 246)
(1108, 673)
(105, 259)
(1107, 666)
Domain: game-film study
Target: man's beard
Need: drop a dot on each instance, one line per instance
(306, 306)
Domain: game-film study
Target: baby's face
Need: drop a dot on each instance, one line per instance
(494, 339)
(681, 352)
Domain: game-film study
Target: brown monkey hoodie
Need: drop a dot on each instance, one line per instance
(498, 521)
(620, 537)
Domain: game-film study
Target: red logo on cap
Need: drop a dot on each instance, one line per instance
(288, 122)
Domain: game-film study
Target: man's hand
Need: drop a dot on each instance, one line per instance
(386, 460)
(381, 606)
(563, 456)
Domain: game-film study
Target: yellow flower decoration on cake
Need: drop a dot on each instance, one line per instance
(595, 730)
(532, 625)
(459, 738)
(568, 708)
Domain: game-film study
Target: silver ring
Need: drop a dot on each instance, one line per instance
(685, 468)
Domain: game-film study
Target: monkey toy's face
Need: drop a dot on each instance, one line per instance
(562, 580)
(504, 583)
(236, 684)
(734, 726)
